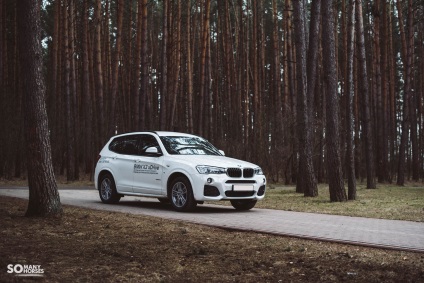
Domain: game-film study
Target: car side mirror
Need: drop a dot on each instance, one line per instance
(152, 151)
(222, 152)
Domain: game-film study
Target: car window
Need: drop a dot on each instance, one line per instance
(133, 144)
(188, 146)
(146, 141)
(124, 145)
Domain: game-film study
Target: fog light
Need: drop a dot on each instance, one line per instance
(209, 180)
(264, 181)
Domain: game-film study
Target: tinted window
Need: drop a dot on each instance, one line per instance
(146, 141)
(133, 144)
(188, 146)
(124, 145)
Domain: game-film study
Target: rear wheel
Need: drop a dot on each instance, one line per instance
(107, 189)
(181, 194)
(243, 204)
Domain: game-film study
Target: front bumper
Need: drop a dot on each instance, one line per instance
(221, 187)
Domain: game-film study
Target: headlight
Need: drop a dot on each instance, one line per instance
(204, 169)
(258, 171)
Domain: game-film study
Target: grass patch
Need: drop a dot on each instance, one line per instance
(385, 202)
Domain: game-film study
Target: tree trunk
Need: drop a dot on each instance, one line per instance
(164, 67)
(189, 70)
(366, 116)
(384, 91)
(144, 69)
(177, 64)
(70, 133)
(350, 122)
(86, 96)
(335, 174)
(43, 195)
(407, 50)
(203, 82)
(100, 136)
(115, 69)
(306, 181)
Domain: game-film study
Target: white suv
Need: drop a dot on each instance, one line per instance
(178, 168)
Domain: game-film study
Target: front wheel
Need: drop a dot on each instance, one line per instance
(181, 193)
(243, 204)
(107, 190)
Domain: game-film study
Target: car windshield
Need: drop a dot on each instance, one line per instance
(188, 146)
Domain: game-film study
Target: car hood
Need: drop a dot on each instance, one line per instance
(211, 160)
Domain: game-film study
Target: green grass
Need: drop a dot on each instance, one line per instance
(386, 202)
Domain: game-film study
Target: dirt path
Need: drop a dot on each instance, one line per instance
(393, 234)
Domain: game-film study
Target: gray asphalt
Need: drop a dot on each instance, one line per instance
(380, 233)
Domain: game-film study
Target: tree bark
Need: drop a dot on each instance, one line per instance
(86, 96)
(306, 181)
(335, 174)
(70, 130)
(366, 116)
(144, 69)
(203, 71)
(98, 74)
(407, 50)
(115, 69)
(189, 69)
(164, 67)
(177, 64)
(43, 195)
(350, 122)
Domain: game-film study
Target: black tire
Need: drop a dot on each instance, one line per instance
(243, 204)
(181, 195)
(107, 189)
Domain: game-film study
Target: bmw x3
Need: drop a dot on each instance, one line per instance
(181, 169)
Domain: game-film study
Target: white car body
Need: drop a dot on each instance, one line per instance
(151, 173)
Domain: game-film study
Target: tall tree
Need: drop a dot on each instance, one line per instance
(115, 67)
(335, 174)
(189, 69)
(366, 118)
(203, 63)
(43, 195)
(306, 181)
(407, 50)
(85, 93)
(98, 74)
(69, 92)
(144, 67)
(164, 81)
(177, 66)
(350, 122)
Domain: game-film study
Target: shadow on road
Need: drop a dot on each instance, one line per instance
(152, 205)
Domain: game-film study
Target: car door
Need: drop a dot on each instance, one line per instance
(123, 155)
(148, 169)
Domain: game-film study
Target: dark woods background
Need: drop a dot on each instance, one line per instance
(225, 70)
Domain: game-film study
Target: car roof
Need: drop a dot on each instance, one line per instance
(159, 133)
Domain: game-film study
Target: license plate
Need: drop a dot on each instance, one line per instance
(242, 188)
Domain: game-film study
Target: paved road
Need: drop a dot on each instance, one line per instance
(393, 234)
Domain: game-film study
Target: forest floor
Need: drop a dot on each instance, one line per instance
(91, 246)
